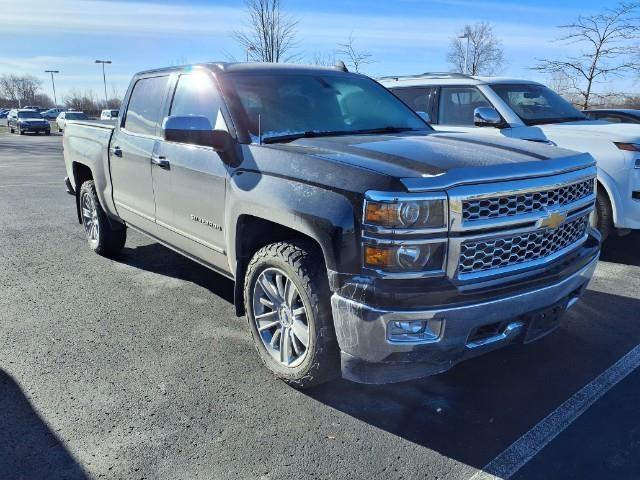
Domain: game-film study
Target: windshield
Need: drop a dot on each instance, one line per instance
(29, 115)
(537, 104)
(75, 116)
(290, 105)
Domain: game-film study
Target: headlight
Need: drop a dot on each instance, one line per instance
(629, 147)
(403, 211)
(637, 164)
(406, 257)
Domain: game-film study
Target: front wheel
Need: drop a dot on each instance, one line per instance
(602, 218)
(287, 303)
(102, 237)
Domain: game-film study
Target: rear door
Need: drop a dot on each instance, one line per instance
(131, 149)
(190, 188)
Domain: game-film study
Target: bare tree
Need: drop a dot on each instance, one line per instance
(476, 50)
(271, 33)
(355, 58)
(324, 59)
(9, 87)
(609, 49)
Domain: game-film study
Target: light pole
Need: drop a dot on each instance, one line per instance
(53, 84)
(104, 79)
(466, 55)
(250, 49)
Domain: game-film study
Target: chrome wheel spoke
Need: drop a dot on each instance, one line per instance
(268, 288)
(285, 346)
(295, 342)
(301, 331)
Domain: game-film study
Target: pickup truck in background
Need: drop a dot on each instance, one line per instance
(497, 106)
(361, 242)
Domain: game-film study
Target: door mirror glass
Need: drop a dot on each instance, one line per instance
(425, 116)
(195, 130)
(486, 117)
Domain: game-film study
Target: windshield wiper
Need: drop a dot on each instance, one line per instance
(541, 121)
(332, 133)
(308, 134)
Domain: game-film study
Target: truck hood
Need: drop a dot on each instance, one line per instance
(615, 132)
(440, 160)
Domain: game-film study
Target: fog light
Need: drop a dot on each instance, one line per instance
(417, 331)
(410, 327)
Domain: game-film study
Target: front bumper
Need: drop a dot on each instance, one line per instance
(34, 128)
(369, 357)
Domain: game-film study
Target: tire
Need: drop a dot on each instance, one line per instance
(602, 216)
(301, 264)
(101, 236)
(47, 132)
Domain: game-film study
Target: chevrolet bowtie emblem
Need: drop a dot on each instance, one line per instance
(554, 220)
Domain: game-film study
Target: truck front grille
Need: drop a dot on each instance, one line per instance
(505, 251)
(516, 204)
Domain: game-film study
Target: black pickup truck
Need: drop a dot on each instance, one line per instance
(360, 242)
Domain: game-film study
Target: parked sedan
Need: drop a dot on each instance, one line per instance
(61, 121)
(21, 121)
(52, 113)
(614, 115)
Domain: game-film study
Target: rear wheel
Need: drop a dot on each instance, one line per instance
(287, 303)
(102, 237)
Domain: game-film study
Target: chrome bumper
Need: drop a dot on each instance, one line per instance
(369, 357)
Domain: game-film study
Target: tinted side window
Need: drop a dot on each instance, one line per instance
(196, 95)
(458, 103)
(419, 99)
(610, 118)
(143, 113)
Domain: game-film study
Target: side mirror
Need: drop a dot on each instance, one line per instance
(195, 130)
(486, 117)
(425, 116)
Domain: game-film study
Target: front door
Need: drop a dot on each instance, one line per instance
(190, 183)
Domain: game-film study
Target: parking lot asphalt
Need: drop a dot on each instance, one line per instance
(138, 368)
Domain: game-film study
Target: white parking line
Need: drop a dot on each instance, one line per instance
(511, 460)
(30, 184)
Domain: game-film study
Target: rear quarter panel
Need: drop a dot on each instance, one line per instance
(88, 144)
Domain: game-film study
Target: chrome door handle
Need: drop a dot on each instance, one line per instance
(116, 151)
(160, 161)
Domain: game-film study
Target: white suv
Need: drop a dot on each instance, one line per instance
(530, 111)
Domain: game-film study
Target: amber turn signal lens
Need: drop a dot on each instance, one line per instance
(382, 257)
(382, 213)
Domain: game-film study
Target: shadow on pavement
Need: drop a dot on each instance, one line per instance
(476, 410)
(622, 249)
(159, 259)
(29, 450)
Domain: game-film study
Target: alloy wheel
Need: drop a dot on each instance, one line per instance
(90, 217)
(280, 317)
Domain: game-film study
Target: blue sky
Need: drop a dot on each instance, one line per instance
(404, 36)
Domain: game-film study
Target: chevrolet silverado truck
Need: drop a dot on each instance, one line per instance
(361, 242)
(497, 106)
